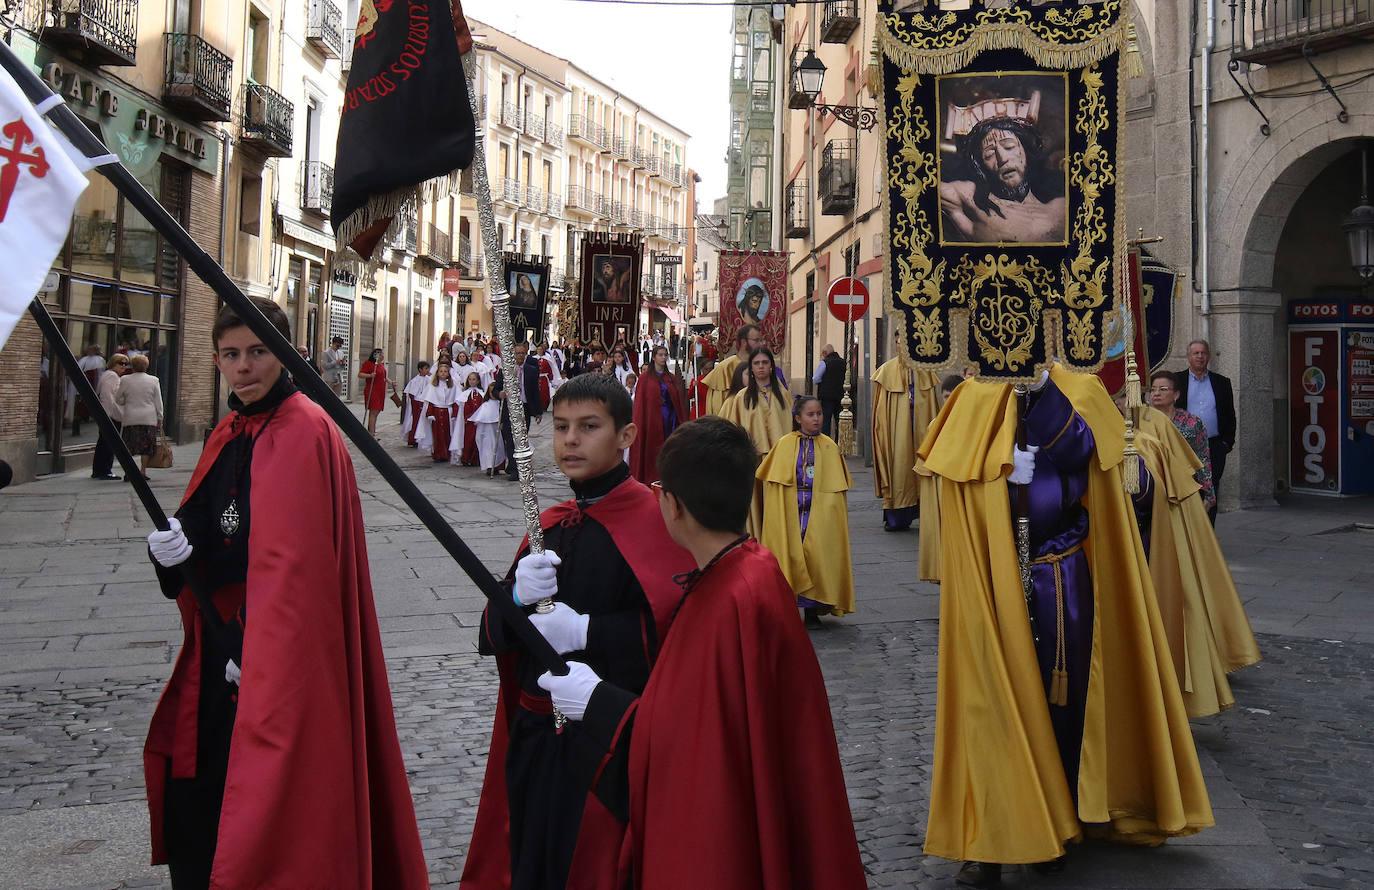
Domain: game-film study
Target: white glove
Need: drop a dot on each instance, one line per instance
(564, 628)
(573, 690)
(1022, 465)
(1040, 384)
(170, 548)
(232, 674)
(536, 577)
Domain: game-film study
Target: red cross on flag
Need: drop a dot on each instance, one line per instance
(41, 176)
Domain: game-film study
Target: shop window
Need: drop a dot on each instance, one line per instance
(94, 229)
(312, 293)
(293, 282)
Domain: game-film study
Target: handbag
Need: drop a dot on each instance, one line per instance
(161, 456)
(396, 398)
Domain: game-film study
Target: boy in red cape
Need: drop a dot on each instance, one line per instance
(610, 565)
(726, 763)
(272, 759)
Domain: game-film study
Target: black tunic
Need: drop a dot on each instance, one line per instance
(547, 774)
(191, 815)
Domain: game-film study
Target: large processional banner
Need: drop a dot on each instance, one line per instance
(610, 287)
(753, 290)
(1003, 131)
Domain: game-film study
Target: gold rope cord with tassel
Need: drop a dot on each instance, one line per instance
(1059, 676)
(999, 35)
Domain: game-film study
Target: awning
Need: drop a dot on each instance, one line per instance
(670, 313)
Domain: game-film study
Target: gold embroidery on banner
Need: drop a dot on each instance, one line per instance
(1006, 298)
(912, 171)
(1091, 171)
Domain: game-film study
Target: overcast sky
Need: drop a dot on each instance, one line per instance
(673, 59)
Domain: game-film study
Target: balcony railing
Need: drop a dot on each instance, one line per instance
(508, 190)
(346, 61)
(198, 76)
(317, 187)
(410, 233)
(649, 285)
(675, 175)
(795, 97)
(534, 198)
(557, 280)
(653, 165)
(1266, 31)
(621, 148)
(639, 157)
(267, 120)
(436, 246)
(797, 221)
(324, 28)
(555, 206)
(589, 131)
(106, 31)
(618, 215)
(637, 219)
(553, 135)
(837, 177)
(583, 199)
(839, 21)
(511, 116)
(534, 126)
(464, 251)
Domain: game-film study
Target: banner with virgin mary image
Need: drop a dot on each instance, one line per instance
(753, 290)
(1002, 121)
(610, 285)
(527, 282)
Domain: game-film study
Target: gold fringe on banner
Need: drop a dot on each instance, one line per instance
(393, 204)
(999, 35)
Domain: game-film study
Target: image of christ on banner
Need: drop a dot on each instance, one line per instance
(612, 279)
(753, 301)
(1003, 177)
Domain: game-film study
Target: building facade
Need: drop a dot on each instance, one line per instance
(752, 186)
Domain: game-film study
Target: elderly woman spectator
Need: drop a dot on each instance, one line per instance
(140, 403)
(107, 389)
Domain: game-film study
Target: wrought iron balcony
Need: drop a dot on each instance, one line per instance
(350, 37)
(555, 206)
(324, 28)
(583, 199)
(621, 148)
(511, 116)
(653, 165)
(638, 156)
(589, 131)
(534, 126)
(839, 21)
(317, 187)
(1267, 31)
(464, 251)
(436, 246)
(106, 31)
(649, 286)
(795, 97)
(618, 215)
(577, 128)
(198, 75)
(410, 233)
(675, 175)
(534, 198)
(553, 135)
(797, 220)
(267, 120)
(508, 190)
(837, 177)
(557, 280)
(637, 219)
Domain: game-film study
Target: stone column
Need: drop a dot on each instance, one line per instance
(1243, 349)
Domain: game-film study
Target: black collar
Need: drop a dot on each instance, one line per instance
(275, 396)
(593, 490)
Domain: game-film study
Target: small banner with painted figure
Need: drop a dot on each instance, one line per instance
(753, 290)
(610, 287)
(407, 129)
(1126, 324)
(1003, 128)
(1158, 293)
(527, 282)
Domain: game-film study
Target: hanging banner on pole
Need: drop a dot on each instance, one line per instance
(527, 282)
(1005, 228)
(753, 290)
(610, 287)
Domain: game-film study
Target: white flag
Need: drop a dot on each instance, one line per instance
(41, 177)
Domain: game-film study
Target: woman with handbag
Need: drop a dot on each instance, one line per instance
(140, 404)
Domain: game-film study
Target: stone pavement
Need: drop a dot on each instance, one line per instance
(86, 642)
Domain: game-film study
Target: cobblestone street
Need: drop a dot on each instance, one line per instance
(88, 641)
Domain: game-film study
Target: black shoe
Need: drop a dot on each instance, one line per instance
(979, 874)
(105, 477)
(813, 618)
(1053, 867)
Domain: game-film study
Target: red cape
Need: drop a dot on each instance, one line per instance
(316, 794)
(649, 421)
(630, 513)
(735, 778)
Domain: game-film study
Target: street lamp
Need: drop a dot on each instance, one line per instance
(808, 78)
(1359, 226)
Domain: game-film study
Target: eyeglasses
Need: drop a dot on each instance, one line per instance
(658, 488)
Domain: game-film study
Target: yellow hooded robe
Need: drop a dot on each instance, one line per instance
(899, 423)
(819, 568)
(768, 421)
(928, 543)
(717, 383)
(1209, 633)
(999, 792)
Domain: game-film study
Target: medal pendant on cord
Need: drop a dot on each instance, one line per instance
(229, 519)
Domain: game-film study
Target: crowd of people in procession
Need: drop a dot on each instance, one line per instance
(711, 508)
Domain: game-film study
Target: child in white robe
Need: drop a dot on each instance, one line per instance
(491, 449)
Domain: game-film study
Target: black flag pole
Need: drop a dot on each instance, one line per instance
(229, 637)
(305, 378)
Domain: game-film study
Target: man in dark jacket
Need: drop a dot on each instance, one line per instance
(829, 380)
(1208, 396)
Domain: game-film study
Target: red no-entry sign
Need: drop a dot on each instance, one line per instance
(848, 299)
